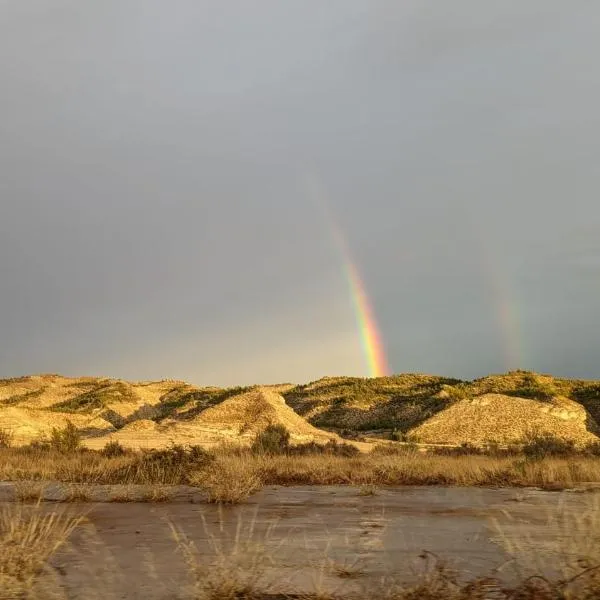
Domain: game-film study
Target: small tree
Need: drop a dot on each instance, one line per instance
(66, 440)
(275, 439)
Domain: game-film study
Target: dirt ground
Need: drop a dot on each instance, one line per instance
(300, 538)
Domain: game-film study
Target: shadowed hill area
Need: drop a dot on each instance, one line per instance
(237, 418)
(355, 404)
(430, 408)
(402, 403)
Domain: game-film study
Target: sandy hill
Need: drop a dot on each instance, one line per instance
(237, 419)
(31, 406)
(432, 407)
(357, 404)
(507, 419)
(403, 403)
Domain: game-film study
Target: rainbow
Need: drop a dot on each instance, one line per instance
(501, 295)
(370, 336)
(371, 341)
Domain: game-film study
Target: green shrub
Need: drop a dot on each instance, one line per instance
(275, 439)
(171, 466)
(66, 440)
(547, 445)
(332, 447)
(593, 449)
(113, 449)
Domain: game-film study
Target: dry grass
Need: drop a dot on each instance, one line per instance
(165, 467)
(233, 475)
(77, 493)
(573, 552)
(229, 481)
(368, 489)
(29, 491)
(125, 495)
(237, 570)
(410, 469)
(156, 494)
(28, 538)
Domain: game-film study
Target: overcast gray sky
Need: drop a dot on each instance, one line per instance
(155, 220)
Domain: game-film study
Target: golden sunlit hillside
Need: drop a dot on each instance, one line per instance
(424, 408)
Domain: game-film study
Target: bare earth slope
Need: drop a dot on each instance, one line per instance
(501, 408)
(506, 419)
(238, 419)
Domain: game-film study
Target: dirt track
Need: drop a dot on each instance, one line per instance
(327, 537)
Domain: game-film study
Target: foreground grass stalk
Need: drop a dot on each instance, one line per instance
(29, 536)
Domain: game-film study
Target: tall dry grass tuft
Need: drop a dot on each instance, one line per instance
(237, 568)
(29, 491)
(566, 559)
(229, 480)
(29, 536)
(6, 438)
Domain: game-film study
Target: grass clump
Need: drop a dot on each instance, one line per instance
(229, 481)
(76, 494)
(28, 538)
(29, 491)
(237, 570)
(331, 448)
(6, 438)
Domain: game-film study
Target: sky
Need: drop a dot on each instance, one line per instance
(158, 162)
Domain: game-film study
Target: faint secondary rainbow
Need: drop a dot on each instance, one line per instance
(502, 296)
(371, 340)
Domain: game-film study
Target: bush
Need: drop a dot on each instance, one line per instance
(113, 449)
(6, 438)
(593, 449)
(275, 439)
(331, 448)
(547, 445)
(171, 466)
(66, 440)
(395, 449)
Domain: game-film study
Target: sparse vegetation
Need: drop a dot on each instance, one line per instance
(66, 440)
(29, 491)
(77, 493)
(237, 473)
(100, 396)
(229, 481)
(29, 536)
(275, 439)
(113, 449)
(6, 438)
(541, 446)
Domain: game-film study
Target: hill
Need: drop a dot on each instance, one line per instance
(402, 403)
(431, 408)
(497, 418)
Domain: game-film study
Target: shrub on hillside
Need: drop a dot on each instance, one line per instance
(113, 449)
(332, 448)
(547, 445)
(593, 449)
(66, 440)
(275, 439)
(394, 449)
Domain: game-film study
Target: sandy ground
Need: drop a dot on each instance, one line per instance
(306, 538)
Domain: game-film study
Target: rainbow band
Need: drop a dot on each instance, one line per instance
(370, 337)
